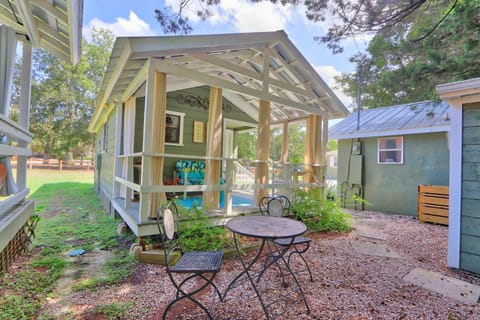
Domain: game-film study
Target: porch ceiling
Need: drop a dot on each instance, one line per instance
(55, 25)
(248, 67)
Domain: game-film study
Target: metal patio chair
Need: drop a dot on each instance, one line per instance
(197, 264)
(280, 206)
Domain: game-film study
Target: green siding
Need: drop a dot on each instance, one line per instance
(392, 188)
(470, 262)
(470, 215)
(105, 175)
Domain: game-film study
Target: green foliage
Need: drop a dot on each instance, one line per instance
(71, 217)
(63, 98)
(296, 142)
(319, 213)
(195, 234)
(113, 311)
(400, 69)
(18, 307)
(247, 144)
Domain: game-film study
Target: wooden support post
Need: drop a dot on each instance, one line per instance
(263, 152)
(154, 141)
(284, 159)
(211, 199)
(317, 150)
(25, 96)
(309, 149)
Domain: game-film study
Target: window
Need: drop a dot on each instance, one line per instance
(105, 137)
(174, 128)
(333, 161)
(390, 150)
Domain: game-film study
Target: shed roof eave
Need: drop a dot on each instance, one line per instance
(458, 89)
(373, 134)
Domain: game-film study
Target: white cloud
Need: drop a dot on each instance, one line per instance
(133, 26)
(244, 15)
(328, 74)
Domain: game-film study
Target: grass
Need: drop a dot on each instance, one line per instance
(71, 217)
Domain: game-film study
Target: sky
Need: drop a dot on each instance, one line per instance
(137, 18)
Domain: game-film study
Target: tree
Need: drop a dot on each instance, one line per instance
(63, 98)
(399, 69)
(349, 18)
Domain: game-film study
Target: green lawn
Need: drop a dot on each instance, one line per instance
(39, 177)
(71, 217)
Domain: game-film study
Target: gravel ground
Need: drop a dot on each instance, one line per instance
(347, 285)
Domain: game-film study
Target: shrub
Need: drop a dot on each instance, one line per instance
(196, 235)
(318, 212)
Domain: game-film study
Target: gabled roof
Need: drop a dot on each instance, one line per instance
(411, 118)
(55, 25)
(247, 66)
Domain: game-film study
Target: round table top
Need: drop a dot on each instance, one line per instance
(266, 227)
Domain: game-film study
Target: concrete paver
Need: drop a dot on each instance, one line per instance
(456, 289)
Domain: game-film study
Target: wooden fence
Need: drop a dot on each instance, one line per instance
(433, 204)
(56, 164)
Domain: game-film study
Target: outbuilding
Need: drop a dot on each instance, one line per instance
(384, 154)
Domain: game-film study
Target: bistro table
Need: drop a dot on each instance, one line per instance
(268, 229)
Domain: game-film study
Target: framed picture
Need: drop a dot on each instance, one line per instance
(198, 132)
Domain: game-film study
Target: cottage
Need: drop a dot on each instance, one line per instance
(170, 109)
(464, 214)
(390, 152)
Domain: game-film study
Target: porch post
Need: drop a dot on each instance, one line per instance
(25, 96)
(318, 150)
(154, 140)
(309, 153)
(314, 149)
(263, 146)
(211, 199)
(284, 159)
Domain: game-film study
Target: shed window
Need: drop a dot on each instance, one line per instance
(174, 128)
(390, 150)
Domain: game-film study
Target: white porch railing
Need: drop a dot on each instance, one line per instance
(11, 206)
(287, 178)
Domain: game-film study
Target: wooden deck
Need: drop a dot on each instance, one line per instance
(131, 214)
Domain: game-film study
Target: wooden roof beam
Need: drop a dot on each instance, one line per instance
(48, 7)
(26, 14)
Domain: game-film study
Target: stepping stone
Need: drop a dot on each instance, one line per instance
(368, 232)
(453, 288)
(373, 249)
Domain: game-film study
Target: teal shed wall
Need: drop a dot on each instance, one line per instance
(392, 188)
(470, 212)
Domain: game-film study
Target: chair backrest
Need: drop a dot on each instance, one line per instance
(279, 206)
(263, 205)
(167, 222)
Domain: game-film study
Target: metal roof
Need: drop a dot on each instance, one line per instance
(247, 66)
(55, 25)
(411, 118)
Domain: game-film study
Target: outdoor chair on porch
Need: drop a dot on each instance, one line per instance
(198, 265)
(280, 206)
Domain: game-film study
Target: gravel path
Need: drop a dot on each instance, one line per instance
(347, 285)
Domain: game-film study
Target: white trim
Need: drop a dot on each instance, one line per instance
(182, 124)
(458, 89)
(401, 149)
(373, 134)
(454, 218)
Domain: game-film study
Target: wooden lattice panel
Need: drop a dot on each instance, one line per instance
(433, 204)
(19, 244)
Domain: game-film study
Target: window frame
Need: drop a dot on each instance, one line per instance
(380, 150)
(179, 127)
